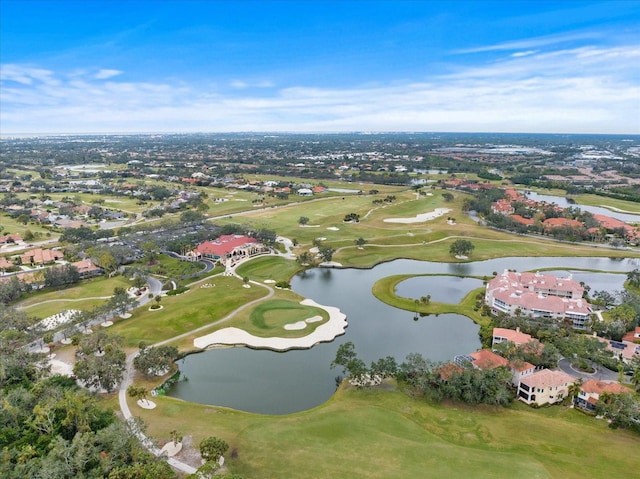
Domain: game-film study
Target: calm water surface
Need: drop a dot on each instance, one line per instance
(280, 383)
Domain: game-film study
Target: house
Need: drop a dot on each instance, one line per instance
(87, 269)
(515, 336)
(485, 359)
(10, 238)
(502, 207)
(544, 387)
(5, 263)
(632, 336)
(591, 390)
(41, 256)
(538, 295)
(305, 192)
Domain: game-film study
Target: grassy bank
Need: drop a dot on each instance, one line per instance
(382, 434)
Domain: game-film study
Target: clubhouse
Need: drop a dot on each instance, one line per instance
(228, 249)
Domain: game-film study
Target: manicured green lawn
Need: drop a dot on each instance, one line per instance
(185, 312)
(383, 434)
(269, 268)
(45, 310)
(95, 287)
(269, 318)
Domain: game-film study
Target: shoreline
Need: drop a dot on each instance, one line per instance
(326, 332)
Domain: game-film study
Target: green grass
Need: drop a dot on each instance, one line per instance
(182, 313)
(269, 318)
(96, 287)
(173, 268)
(382, 434)
(269, 267)
(10, 225)
(45, 310)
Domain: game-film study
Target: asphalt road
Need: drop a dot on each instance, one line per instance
(601, 374)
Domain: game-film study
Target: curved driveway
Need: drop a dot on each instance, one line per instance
(601, 374)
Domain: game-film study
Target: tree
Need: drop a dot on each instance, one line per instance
(155, 361)
(304, 258)
(351, 218)
(360, 242)
(213, 448)
(139, 393)
(461, 247)
(303, 220)
(102, 372)
(326, 253)
(448, 197)
(354, 367)
(121, 302)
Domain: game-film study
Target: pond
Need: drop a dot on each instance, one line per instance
(562, 202)
(280, 383)
(442, 289)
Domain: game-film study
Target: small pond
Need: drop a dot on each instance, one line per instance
(442, 289)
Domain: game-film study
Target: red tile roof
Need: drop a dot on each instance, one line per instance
(547, 378)
(558, 222)
(593, 386)
(486, 359)
(224, 244)
(516, 337)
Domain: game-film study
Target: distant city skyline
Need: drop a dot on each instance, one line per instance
(81, 67)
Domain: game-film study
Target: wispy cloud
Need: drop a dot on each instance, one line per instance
(106, 73)
(524, 54)
(241, 85)
(583, 89)
(535, 42)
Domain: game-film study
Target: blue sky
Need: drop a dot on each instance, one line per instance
(304, 66)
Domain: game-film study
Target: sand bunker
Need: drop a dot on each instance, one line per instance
(324, 333)
(302, 324)
(421, 218)
(333, 228)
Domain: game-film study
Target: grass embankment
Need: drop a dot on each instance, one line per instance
(168, 267)
(381, 434)
(384, 289)
(11, 225)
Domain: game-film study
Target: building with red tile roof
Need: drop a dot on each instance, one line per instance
(10, 238)
(632, 336)
(486, 359)
(552, 223)
(41, 256)
(544, 387)
(522, 220)
(515, 336)
(5, 263)
(87, 269)
(591, 390)
(502, 207)
(538, 295)
(228, 248)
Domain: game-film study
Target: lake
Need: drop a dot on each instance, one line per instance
(267, 382)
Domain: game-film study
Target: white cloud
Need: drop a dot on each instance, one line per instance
(241, 85)
(106, 73)
(535, 42)
(524, 54)
(581, 90)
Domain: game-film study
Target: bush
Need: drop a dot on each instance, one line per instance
(283, 285)
(179, 290)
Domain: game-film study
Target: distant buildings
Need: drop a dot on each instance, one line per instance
(538, 295)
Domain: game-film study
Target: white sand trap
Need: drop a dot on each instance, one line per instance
(269, 281)
(146, 404)
(309, 226)
(333, 228)
(171, 448)
(246, 285)
(295, 326)
(330, 264)
(322, 238)
(106, 324)
(421, 218)
(302, 324)
(314, 250)
(461, 256)
(324, 333)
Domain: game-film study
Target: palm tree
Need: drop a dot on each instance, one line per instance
(574, 389)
